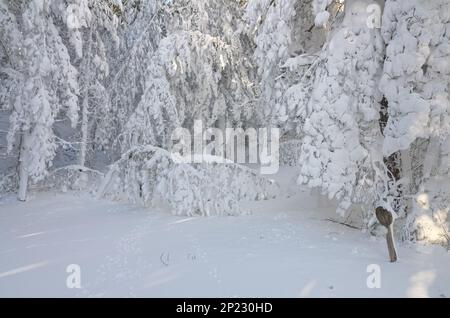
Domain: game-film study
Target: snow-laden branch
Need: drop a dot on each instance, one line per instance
(147, 175)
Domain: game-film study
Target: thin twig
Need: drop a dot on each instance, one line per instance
(343, 223)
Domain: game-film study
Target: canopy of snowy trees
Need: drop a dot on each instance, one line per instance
(359, 88)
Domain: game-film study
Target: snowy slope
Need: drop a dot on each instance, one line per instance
(285, 248)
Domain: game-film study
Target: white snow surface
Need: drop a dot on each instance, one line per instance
(285, 248)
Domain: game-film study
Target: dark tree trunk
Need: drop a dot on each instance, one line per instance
(386, 219)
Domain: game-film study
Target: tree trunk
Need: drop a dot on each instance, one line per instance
(85, 107)
(407, 173)
(23, 167)
(390, 243)
(394, 161)
(431, 161)
(385, 218)
(84, 131)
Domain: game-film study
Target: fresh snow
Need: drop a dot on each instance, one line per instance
(284, 248)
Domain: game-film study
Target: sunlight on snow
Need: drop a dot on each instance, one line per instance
(420, 283)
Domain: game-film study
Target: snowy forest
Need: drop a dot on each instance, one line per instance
(93, 94)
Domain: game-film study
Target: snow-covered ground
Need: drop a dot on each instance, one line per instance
(284, 248)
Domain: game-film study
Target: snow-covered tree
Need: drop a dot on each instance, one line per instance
(156, 114)
(140, 30)
(48, 84)
(197, 71)
(416, 84)
(94, 23)
(341, 126)
(10, 85)
(11, 57)
(271, 23)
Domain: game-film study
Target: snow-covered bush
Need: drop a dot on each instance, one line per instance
(148, 175)
(75, 177)
(430, 217)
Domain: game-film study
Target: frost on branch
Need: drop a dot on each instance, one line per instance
(147, 175)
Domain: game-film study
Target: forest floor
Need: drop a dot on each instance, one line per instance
(284, 248)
